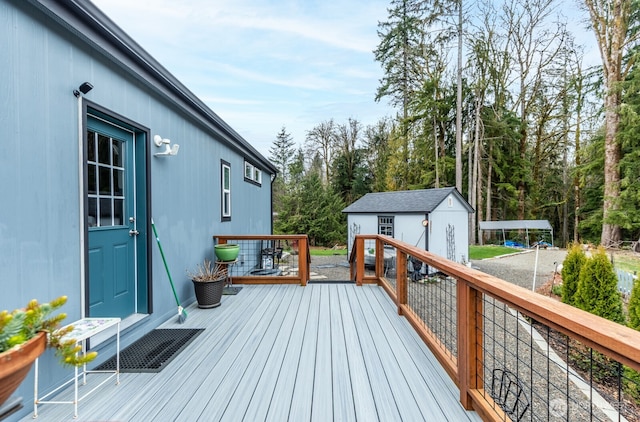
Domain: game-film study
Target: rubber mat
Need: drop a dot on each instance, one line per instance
(153, 352)
(231, 290)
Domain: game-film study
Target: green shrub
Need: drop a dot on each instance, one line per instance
(631, 383)
(598, 288)
(571, 272)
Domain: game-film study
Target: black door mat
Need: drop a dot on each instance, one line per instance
(154, 351)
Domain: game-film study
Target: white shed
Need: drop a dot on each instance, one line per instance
(434, 219)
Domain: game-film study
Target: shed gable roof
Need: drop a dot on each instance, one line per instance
(408, 201)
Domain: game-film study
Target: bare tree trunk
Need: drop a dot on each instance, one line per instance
(470, 190)
(489, 171)
(459, 105)
(610, 22)
(611, 232)
(576, 179)
(435, 142)
(475, 174)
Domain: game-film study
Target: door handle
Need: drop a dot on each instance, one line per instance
(133, 232)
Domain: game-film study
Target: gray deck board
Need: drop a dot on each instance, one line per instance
(363, 400)
(342, 394)
(320, 352)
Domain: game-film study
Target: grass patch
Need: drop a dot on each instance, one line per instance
(319, 251)
(628, 263)
(489, 251)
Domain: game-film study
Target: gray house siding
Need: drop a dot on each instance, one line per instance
(47, 49)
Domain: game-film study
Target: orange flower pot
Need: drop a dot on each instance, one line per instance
(16, 363)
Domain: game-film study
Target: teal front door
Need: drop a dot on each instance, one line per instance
(111, 219)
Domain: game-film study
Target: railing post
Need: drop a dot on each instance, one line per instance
(303, 260)
(401, 279)
(469, 341)
(359, 245)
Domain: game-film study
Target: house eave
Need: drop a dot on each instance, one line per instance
(89, 23)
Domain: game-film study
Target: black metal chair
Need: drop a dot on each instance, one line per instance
(509, 394)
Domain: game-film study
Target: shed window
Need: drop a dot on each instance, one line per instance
(226, 191)
(385, 225)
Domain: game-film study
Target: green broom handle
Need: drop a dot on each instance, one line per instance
(166, 267)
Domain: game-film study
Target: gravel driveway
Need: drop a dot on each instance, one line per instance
(518, 268)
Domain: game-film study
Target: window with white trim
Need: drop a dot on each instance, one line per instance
(385, 225)
(226, 191)
(252, 174)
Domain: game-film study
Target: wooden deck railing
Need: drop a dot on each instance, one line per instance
(465, 292)
(287, 255)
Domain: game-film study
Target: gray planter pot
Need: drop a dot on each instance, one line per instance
(209, 293)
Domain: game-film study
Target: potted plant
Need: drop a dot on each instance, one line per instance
(24, 335)
(227, 251)
(208, 282)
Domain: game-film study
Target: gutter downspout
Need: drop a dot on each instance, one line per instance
(273, 179)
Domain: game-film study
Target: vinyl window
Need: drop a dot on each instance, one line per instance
(252, 174)
(226, 191)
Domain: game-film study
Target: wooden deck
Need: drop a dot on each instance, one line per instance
(284, 352)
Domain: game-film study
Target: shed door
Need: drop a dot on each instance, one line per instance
(111, 214)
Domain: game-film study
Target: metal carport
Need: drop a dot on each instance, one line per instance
(526, 225)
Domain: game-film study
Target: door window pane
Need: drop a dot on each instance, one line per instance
(118, 212)
(118, 182)
(91, 146)
(104, 180)
(104, 149)
(116, 150)
(106, 212)
(93, 212)
(92, 183)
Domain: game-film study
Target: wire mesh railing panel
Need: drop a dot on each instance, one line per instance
(432, 296)
(523, 356)
(370, 257)
(265, 257)
(388, 270)
(533, 373)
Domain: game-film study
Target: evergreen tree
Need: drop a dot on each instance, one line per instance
(592, 182)
(571, 268)
(287, 220)
(598, 288)
(634, 306)
(281, 153)
(628, 216)
(310, 207)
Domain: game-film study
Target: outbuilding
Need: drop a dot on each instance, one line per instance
(98, 138)
(434, 219)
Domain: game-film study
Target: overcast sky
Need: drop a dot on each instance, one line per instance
(264, 64)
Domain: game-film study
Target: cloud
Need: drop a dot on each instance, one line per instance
(262, 64)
